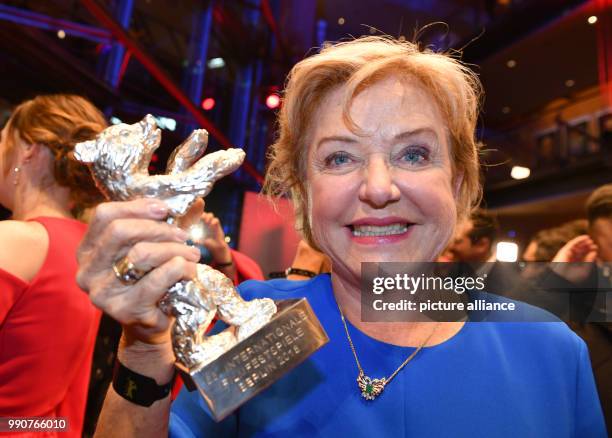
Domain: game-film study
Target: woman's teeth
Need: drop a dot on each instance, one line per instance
(373, 230)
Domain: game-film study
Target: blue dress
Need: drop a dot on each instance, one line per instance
(489, 380)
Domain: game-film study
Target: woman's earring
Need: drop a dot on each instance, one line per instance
(16, 170)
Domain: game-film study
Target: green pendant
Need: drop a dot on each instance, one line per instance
(370, 388)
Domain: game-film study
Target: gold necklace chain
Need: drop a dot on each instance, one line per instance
(371, 388)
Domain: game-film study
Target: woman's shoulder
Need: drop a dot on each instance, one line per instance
(553, 340)
(530, 319)
(61, 224)
(24, 247)
(17, 237)
(11, 228)
(282, 288)
(29, 235)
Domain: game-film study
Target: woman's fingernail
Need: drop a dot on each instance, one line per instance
(196, 253)
(158, 209)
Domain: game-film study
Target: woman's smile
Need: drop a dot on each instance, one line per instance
(379, 231)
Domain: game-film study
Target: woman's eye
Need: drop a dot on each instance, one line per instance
(415, 155)
(337, 159)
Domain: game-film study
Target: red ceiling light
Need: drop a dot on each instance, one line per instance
(273, 101)
(208, 103)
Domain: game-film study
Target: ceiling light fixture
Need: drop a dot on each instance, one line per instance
(273, 101)
(520, 172)
(216, 63)
(506, 252)
(592, 19)
(208, 103)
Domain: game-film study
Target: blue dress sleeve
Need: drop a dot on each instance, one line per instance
(589, 416)
(190, 418)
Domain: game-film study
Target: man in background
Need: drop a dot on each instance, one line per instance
(474, 238)
(598, 335)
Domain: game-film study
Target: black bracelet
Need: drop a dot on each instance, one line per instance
(138, 389)
(298, 271)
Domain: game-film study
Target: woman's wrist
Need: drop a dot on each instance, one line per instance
(151, 360)
(227, 264)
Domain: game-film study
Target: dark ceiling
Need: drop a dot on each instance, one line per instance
(546, 62)
(163, 28)
(550, 42)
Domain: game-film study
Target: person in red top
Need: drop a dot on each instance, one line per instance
(47, 324)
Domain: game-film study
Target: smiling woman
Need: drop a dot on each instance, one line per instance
(377, 152)
(340, 74)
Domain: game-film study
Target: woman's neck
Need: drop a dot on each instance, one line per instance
(404, 334)
(31, 202)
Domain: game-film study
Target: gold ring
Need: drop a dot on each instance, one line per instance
(126, 272)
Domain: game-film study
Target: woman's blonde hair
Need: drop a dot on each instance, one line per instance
(58, 122)
(358, 64)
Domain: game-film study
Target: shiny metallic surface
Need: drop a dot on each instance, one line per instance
(188, 152)
(119, 159)
(195, 303)
(251, 366)
(126, 272)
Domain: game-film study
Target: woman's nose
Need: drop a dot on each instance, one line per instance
(378, 187)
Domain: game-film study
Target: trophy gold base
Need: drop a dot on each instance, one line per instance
(258, 361)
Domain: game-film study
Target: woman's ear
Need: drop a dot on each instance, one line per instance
(29, 150)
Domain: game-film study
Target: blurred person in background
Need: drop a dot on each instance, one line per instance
(599, 214)
(47, 324)
(474, 238)
(307, 263)
(546, 243)
(235, 265)
(598, 334)
(582, 242)
(473, 244)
